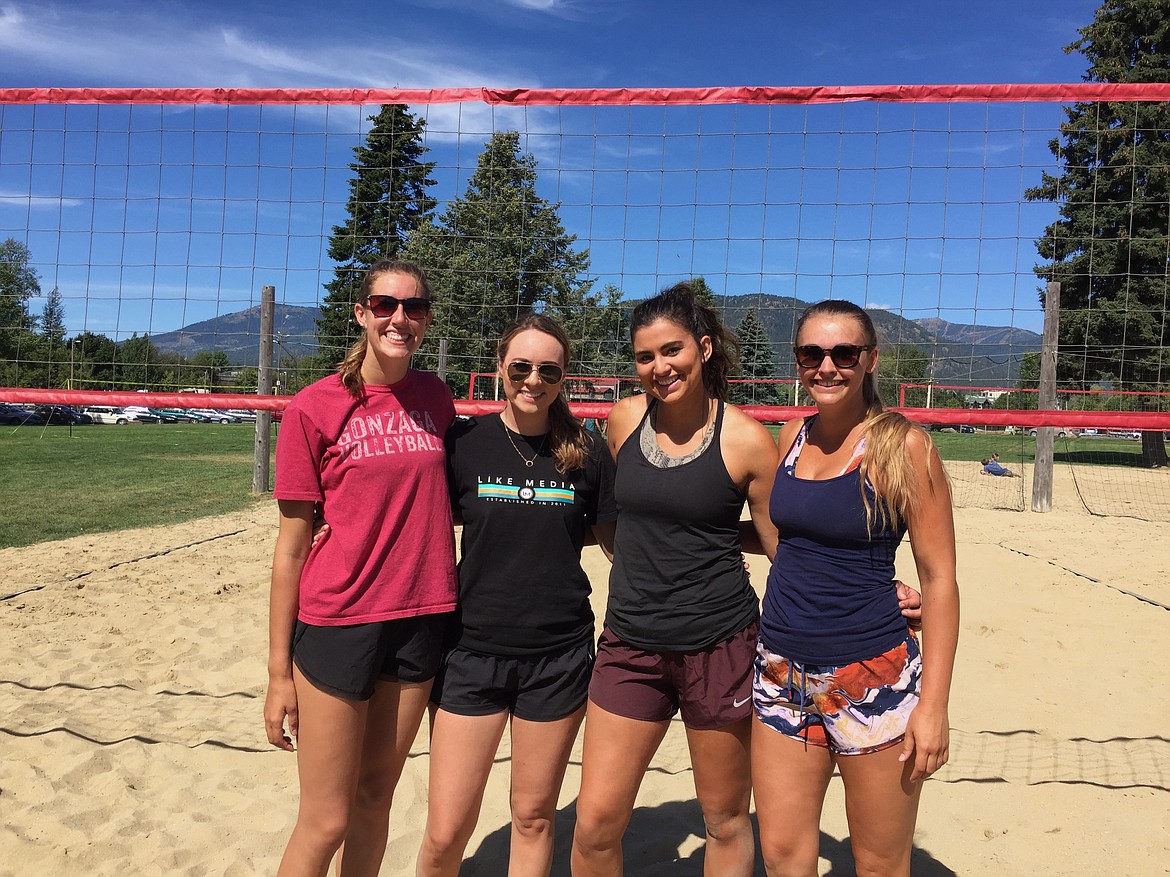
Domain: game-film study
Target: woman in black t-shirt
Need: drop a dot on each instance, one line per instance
(527, 484)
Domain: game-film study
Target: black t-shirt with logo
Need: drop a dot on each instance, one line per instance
(521, 587)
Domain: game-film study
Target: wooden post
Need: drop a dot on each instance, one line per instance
(442, 359)
(1042, 468)
(263, 447)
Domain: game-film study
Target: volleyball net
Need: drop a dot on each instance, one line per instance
(138, 226)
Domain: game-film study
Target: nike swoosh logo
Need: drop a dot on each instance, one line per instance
(736, 704)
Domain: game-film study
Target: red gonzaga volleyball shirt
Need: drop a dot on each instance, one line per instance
(378, 464)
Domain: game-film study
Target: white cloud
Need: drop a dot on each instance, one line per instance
(139, 46)
(19, 199)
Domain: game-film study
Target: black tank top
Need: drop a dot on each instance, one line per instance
(678, 582)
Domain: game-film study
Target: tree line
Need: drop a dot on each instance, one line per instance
(36, 352)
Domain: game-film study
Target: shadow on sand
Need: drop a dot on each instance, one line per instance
(652, 843)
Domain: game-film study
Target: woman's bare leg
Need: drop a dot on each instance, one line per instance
(721, 760)
(395, 712)
(540, 754)
(617, 752)
(463, 749)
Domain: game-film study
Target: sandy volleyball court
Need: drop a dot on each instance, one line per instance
(133, 684)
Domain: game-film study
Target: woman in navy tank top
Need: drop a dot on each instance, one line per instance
(839, 680)
(682, 618)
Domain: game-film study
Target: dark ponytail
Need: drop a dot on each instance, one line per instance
(681, 306)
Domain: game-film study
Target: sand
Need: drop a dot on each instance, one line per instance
(132, 689)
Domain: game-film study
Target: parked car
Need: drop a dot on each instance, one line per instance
(966, 427)
(141, 413)
(107, 414)
(1058, 431)
(64, 415)
(211, 415)
(13, 415)
(243, 415)
(176, 415)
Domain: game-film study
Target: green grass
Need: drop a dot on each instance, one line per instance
(104, 477)
(1095, 450)
(54, 485)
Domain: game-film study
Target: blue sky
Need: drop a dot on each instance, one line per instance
(912, 208)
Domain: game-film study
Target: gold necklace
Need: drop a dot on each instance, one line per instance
(528, 463)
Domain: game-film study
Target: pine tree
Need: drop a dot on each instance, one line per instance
(53, 318)
(19, 282)
(1108, 249)
(387, 200)
(138, 363)
(757, 360)
(496, 253)
(704, 293)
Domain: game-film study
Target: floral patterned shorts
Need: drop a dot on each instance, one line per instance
(851, 709)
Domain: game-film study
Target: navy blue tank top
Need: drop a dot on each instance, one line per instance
(830, 597)
(678, 582)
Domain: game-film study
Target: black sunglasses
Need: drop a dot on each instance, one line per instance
(387, 305)
(549, 373)
(843, 355)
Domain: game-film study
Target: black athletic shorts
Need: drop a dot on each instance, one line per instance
(542, 688)
(347, 660)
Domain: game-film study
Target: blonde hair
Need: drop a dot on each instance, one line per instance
(568, 439)
(350, 368)
(884, 462)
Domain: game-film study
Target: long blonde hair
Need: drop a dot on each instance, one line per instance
(884, 462)
(350, 368)
(568, 439)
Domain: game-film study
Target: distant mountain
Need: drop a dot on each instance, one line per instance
(963, 355)
(238, 335)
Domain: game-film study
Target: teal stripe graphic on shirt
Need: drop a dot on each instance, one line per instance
(526, 493)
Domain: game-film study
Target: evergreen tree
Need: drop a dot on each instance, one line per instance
(19, 282)
(1108, 248)
(94, 357)
(387, 201)
(600, 330)
(138, 363)
(53, 318)
(757, 360)
(498, 252)
(704, 293)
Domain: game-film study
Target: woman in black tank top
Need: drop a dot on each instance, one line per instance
(682, 617)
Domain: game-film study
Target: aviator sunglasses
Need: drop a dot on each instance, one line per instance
(843, 355)
(387, 305)
(549, 373)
